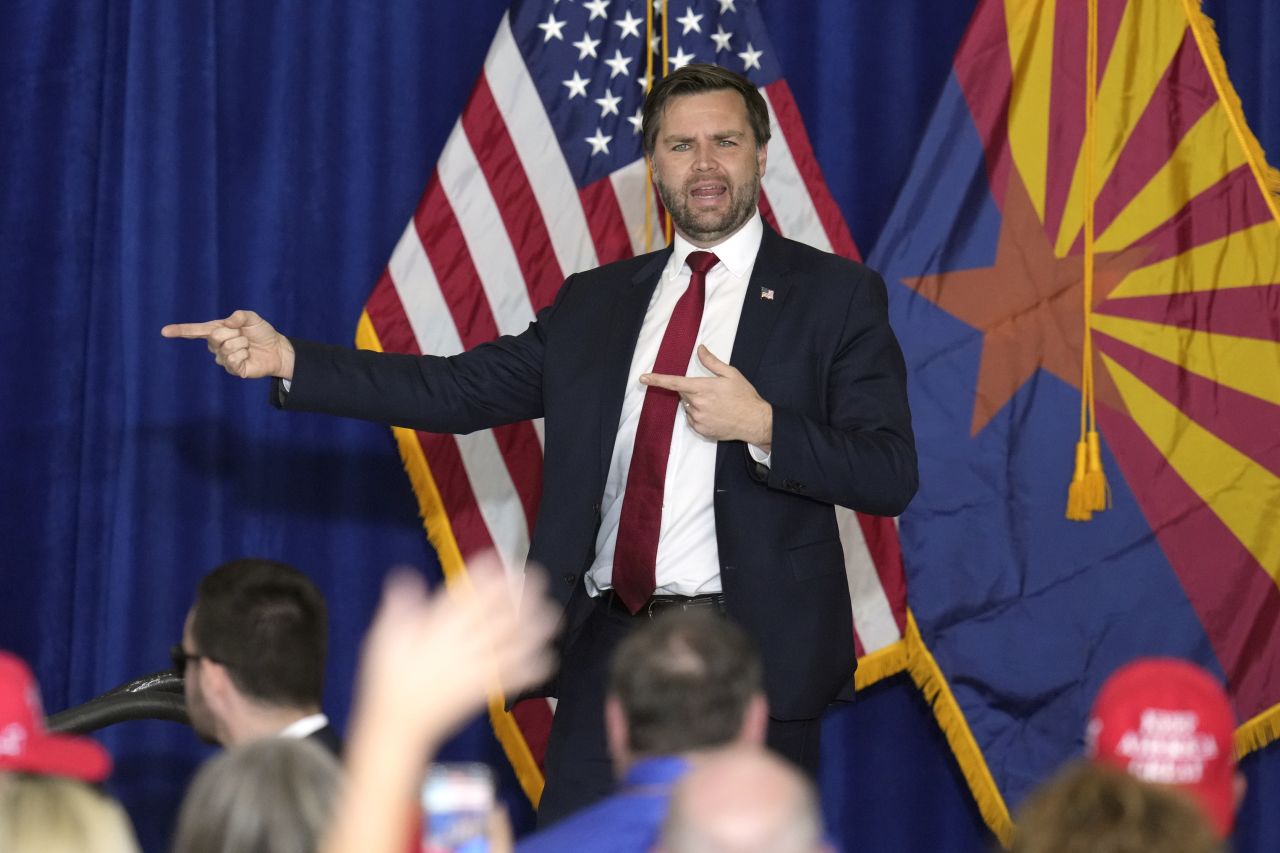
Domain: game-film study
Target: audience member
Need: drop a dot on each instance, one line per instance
(743, 800)
(1166, 720)
(430, 662)
(1093, 808)
(275, 795)
(53, 814)
(253, 655)
(26, 747)
(46, 805)
(681, 685)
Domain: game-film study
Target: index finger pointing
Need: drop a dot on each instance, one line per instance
(191, 330)
(679, 384)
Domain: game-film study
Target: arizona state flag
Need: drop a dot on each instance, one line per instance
(1020, 613)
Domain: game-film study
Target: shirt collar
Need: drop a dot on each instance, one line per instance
(737, 253)
(305, 727)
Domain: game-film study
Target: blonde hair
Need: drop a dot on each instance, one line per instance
(1091, 808)
(52, 814)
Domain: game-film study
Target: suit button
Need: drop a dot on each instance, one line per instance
(568, 578)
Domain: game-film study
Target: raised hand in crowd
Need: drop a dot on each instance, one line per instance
(244, 344)
(429, 662)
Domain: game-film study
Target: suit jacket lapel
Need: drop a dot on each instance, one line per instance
(619, 346)
(761, 306)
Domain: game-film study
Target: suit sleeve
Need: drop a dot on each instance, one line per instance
(861, 453)
(493, 384)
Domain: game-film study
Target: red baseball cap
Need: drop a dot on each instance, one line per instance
(25, 746)
(1168, 721)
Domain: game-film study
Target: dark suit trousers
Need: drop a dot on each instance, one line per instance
(578, 768)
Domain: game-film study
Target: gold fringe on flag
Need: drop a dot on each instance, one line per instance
(928, 677)
(1206, 38)
(440, 532)
(1264, 728)
(1257, 732)
(880, 664)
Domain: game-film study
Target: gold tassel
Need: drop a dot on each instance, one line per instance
(1088, 489)
(1097, 491)
(1077, 498)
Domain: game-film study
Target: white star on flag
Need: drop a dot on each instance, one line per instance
(587, 47)
(577, 86)
(637, 120)
(599, 143)
(726, 6)
(720, 37)
(750, 58)
(608, 104)
(689, 21)
(630, 25)
(618, 64)
(551, 28)
(597, 9)
(681, 59)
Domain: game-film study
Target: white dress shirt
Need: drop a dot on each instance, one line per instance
(688, 562)
(305, 726)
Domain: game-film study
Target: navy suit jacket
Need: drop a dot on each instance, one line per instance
(817, 346)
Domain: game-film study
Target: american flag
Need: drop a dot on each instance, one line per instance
(543, 176)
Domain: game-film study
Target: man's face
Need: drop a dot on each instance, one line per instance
(202, 720)
(706, 165)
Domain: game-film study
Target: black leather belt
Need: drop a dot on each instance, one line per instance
(658, 603)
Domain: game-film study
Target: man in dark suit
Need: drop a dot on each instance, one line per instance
(729, 506)
(253, 653)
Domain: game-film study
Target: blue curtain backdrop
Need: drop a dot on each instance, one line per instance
(165, 161)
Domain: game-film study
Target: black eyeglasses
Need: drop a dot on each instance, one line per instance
(181, 657)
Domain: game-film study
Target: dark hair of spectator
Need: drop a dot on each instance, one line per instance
(697, 79)
(684, 681)
(267, 623)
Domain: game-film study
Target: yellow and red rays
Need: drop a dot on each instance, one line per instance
(1185, 317)
(1029, 305)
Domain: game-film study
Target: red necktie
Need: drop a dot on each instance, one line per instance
(636, 548)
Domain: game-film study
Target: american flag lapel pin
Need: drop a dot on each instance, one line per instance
(766, 293)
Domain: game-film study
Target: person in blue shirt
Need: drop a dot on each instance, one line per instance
(681, 687)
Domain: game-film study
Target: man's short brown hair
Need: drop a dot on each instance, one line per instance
(268, 624)
(684, 681)
(695, 80)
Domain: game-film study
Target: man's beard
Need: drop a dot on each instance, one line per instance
(710, 226)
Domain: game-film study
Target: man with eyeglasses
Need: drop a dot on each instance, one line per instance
(252, 655)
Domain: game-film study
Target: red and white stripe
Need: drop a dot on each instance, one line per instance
(500, 225)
